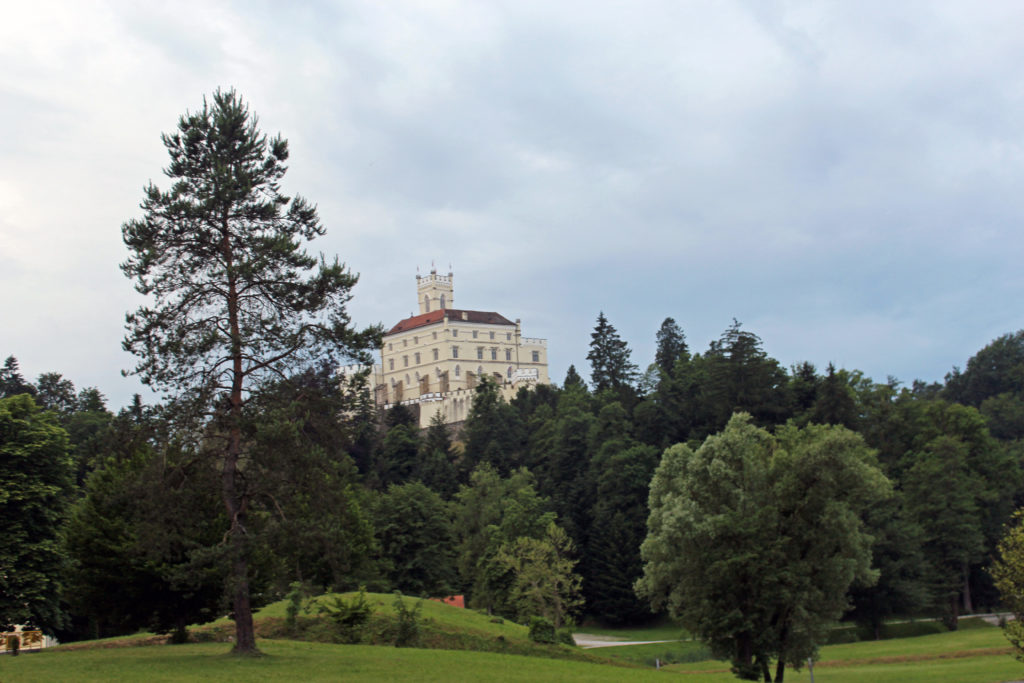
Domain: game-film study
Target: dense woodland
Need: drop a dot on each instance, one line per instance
(538, 506)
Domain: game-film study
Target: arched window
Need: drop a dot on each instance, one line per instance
(509, 372)
(407, 378)
(426, 303)
(480, 371)
(442, 302)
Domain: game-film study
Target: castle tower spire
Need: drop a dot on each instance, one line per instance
(435, 292)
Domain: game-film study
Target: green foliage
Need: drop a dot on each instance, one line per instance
(1008, 572)
(36, 474)
(609, 356)
(542, 630)
(407, 628)
(543, 579)
(490, 512)
(234, 300)
(671, 345)
(415, 540)
(11, 381)
(754, 540)
(493, 431)
(349, 616)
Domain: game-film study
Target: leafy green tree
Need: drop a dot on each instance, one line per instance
(754, 540)
(235, 299)
(1008, 572)
(996, 369)
(609, 356)
(143, 539)
(53, 392)
(671, 345)
(416, 543)
(399, 454)
(544, 583)
(36, 472)
(489, 512)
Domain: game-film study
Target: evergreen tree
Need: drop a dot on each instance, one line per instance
(834, 404)
(236, 300)
(610, 365)
(573, 380)
(11, 381)
(671, 345)
(493, 431)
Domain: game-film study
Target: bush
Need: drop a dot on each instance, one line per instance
(349, 616)
(407, 630)
(541, 630)
(564, 636)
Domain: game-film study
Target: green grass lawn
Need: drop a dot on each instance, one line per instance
(290, 660)
(975, 655)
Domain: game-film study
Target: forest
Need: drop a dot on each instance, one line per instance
(755, 504)
(538, 506)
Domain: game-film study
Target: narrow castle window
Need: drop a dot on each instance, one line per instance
(480, 352)
(417, 358)
(435, 354)
(494, 354)
(426, 303)
(455, 352)
(442, 302)
(508, 354)
(536, 356)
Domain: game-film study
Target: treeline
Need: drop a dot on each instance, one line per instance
(537, 507)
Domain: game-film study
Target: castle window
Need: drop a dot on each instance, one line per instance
(391, 363)
(415, 340)
(407, 382)
(536, 356)
(492, 335)
(405, 342)
(405, 361)
(479, 371)
(474, 334)
(480, 352)
(508, 354)
(435, 335)
(435, 354)
(455, 333)
(494, 354)
(458, 370)
(442, 302)
(389, 346)
(508, 336)
(455, 352)
(417, 358)
(426, 303)
(509, 373)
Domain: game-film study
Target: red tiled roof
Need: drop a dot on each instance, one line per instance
(484, 317)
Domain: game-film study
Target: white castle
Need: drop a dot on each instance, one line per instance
(434, 360)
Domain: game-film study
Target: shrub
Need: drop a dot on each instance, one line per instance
(564, 636)
(350, 616)
(407, 630)
(541, 630)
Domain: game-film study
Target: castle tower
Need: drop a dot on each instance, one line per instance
(435, 292)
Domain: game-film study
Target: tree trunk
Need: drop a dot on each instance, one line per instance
(968, 606)
(245, 633)
(780, 669)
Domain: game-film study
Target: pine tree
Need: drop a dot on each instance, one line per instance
(235, 300)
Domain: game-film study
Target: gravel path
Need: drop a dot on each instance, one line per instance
(590, 640)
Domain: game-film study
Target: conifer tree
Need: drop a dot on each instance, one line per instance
(234, 299)
(610, 365)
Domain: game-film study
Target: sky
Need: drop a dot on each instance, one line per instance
(842, 178)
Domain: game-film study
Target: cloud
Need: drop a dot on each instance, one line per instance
(843, 179)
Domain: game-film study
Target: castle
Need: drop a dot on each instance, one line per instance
(434, 360)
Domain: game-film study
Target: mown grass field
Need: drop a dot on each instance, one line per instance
(975, 654)
(291, 660)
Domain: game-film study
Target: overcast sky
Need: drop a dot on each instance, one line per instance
(843, 178)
